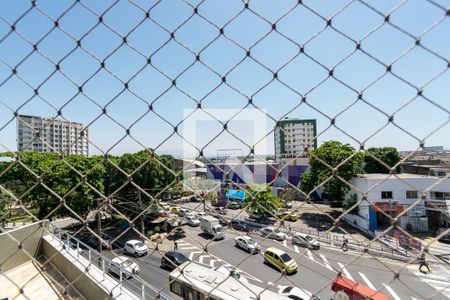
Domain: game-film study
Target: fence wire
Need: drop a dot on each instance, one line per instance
(96, 59)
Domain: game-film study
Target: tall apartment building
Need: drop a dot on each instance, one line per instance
(293, 135)
(36, 134)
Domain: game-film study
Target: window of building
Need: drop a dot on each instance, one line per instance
(411, 195)
(440, 195)
(386, 195)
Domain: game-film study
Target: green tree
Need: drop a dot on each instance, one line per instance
(211, 197)
(290, 194)
(4, 205)
(47, 182)
(149, 171)
(332, 153)
(261, 201)
(388, 155)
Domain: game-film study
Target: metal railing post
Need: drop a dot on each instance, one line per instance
(120, 275)
(103, 268)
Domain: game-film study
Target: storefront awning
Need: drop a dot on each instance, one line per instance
(158, 220)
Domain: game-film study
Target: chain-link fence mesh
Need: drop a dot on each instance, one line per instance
(206, 78)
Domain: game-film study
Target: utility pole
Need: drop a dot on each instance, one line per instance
(142, 216)
(99, 225)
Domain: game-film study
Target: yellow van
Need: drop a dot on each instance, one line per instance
(280, 259)
(175, 209)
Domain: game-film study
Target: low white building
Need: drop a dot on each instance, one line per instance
(389, 196)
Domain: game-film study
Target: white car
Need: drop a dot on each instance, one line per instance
(272, 233)
(124, 265)
(193, 221)
(136, 248)
(305, 240)
(247, 243)
(297, 293)
(201, 214)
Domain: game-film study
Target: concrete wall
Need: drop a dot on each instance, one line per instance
(29, 239)
(82, 282)
(357, 221)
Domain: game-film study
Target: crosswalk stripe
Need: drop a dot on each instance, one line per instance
(346, 272)
(325, 260)
(296, 249)
(191, 255)
(367, 281)
(310, 256)
(201, 257)
(391, 291)
(183, 243)
(188, 248)
(212, 262)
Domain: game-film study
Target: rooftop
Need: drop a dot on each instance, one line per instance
(382, 176)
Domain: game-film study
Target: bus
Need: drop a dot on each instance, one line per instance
(195, 281)
(347, 289)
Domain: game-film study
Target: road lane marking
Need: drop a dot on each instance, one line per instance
(310, 256)
(325, 260)
(243, 273)
(191, 255)
(346, 272)
(296, 249)
(391, 291)
(285, 243)
(367, 281)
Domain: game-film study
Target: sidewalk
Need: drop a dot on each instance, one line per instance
(13, 225)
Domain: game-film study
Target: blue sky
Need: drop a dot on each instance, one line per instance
(274, 51)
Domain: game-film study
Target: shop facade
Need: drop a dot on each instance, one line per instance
(419, 202)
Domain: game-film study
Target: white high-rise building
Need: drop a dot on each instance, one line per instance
(293, 137)
(36, 134)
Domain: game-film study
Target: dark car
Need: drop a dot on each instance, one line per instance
(196, 199)
(223, 221)
(221, 210)
(239, 225)
(172, 259)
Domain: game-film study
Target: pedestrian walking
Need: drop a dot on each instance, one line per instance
(345, 244)
(282, 223)
(289, 228)
(423, 263)
(175, 246)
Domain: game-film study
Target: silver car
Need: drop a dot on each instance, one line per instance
(193, 221)
(305, 240)
(247, 243)
(124, 265)
(273, 233)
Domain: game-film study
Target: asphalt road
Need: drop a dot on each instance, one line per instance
(317, 268)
